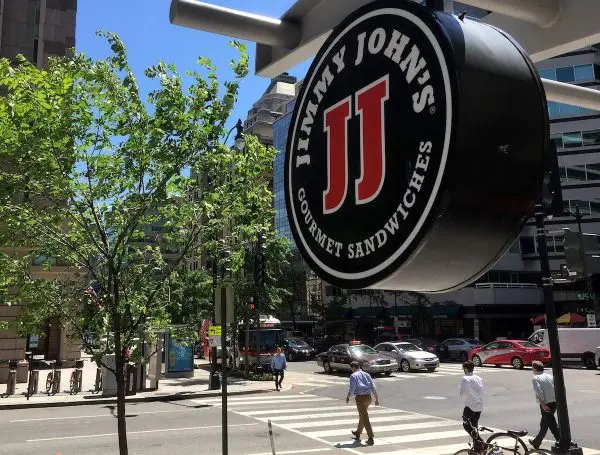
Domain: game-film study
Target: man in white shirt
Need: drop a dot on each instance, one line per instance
(471, 390)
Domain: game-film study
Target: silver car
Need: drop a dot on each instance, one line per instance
(409, 356)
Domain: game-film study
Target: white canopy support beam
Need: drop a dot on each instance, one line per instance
(572, 94)
(542, 13)
(234, 23)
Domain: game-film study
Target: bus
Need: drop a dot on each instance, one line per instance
(263, 343)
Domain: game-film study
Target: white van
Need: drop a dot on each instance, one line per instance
(575, 344)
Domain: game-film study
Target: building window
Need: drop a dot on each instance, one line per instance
(591, 138)
(514, 248)
(595, 207)
(575, 174)
(572, 139)
(584, 206)
(558, 140)
(565, 74)
(527, 245)
(550, 73)
(584, 72)
(593, 171)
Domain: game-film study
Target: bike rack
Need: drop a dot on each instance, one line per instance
(12, 378)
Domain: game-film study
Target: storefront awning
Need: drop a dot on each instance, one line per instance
(401, 311)
(366, 312)
(445, 311)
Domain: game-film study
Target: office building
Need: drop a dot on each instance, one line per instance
(37, 29)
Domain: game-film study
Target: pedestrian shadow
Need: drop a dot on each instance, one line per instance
(348, 445)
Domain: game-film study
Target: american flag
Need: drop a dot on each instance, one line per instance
(92, 290)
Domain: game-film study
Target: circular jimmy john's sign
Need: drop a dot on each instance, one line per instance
(369, 144)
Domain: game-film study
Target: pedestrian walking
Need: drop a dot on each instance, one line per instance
(278, 366)
(471, 390)
(362, 387)
(543, 387)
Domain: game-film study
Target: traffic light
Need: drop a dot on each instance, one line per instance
(573, 253)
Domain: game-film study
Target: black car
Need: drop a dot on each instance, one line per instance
(297, 349)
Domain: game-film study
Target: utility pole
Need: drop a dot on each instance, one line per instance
(565, 446)
(224, 432)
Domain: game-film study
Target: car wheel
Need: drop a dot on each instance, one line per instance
(463, 356)
(431, 370)
(517, 363)
(291, 357)
(476, 360)
(327, 368)
(405, 366)
(589, 361)
(387, 373)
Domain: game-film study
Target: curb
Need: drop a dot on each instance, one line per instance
(134, 399)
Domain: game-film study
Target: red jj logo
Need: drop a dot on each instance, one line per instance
(369, 107)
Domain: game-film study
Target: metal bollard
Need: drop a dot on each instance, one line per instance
(57, 376)
(12, 377)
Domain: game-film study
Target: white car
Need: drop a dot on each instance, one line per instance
(598, 356)
(409, 356)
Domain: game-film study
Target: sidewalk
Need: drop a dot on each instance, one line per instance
(169, 389)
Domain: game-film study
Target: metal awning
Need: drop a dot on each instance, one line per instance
(545, 28)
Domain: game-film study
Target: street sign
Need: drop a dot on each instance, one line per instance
(591, 320)
(405, 150)
(214, 330)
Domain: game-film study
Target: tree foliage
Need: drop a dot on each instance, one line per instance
(89, 166)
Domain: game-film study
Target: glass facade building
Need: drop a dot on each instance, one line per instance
(280, 135)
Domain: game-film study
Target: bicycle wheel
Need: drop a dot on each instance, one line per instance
(49, 380)
(73, 384)
(465, 452)
(508, 443)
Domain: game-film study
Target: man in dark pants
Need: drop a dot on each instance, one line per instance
(543, 387)
(471, 390)
(278, 365)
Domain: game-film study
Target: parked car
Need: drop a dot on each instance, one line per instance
(459, 348)
(340, 356)
(297, 349)
(517, 353)
(598, 356)
(427, 344)
(324, 343)
(409, 356)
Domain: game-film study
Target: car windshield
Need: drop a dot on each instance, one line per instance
(298, 343)
(528, 344)
(362, 350)
(474, 342)
(407, 347)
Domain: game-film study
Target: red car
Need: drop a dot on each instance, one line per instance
(517, 353)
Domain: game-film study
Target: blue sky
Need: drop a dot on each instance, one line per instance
(144, 27)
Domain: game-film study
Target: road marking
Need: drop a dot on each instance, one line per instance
(251, 403)
(435, 398)
(351, 412)
(383, 429)
(96, 416)
(418, 437)
(275, 398)
(446, 449)
(160, 430)
(296, 451)
(590, 391)
(286, 411)
(352, 421)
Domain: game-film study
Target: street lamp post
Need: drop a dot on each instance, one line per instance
(565, 446)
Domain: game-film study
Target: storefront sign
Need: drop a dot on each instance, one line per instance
(380, 183)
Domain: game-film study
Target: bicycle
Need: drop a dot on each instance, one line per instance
(34, 376)
(98, 381)
(492, 446)
(76, 377)
(53, 378)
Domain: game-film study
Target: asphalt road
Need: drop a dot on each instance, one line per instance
(419, 414)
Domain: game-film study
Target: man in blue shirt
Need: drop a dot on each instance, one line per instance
(278, 365)
(362, 387)
(543, 387)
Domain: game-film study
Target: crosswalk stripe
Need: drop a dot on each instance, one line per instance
(384, 428)
(352, 421)
(275, 398)
(285, 411)
(320, 415)
(446, 449)
(418, 437)
(271, 402)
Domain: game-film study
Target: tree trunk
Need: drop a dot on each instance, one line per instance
(120, 377)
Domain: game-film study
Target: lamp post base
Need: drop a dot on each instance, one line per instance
(573, 450)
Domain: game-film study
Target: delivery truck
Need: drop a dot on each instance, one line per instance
(576, 344)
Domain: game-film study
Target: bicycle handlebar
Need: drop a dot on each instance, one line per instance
(485, 429)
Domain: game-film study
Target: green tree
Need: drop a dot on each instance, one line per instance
(87, 162)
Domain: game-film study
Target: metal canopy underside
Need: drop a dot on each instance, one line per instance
(545, 28)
